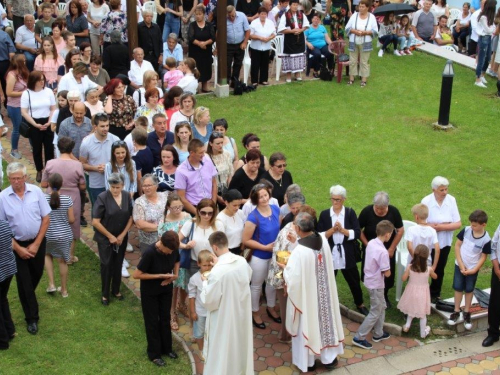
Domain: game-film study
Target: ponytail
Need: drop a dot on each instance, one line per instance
(196, 73)
(55, 183)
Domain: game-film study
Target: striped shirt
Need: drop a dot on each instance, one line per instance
(59, 229)
(8, 266)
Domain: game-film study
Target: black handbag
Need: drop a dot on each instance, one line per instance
(325, 74)
(25, 127)
(185, 254)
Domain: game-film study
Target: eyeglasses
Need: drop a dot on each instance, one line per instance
(119, 143)
(280, 166)
(177, 208)
(337, 200)
(206, 213)
(147, 186)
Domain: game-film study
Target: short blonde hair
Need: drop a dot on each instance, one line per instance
(198, 113)
(147, 77)
(204, 256)
(421, 211)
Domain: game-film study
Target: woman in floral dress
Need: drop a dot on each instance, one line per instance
(120, 108)
(173, 219)
(338, 9)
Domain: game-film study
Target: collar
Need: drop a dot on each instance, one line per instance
(27, 188)
(342, 213)
(103, 141)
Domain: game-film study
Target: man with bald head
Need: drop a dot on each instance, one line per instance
(138, 66)
(25, 41)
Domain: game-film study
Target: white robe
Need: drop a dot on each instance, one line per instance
(228, 348)
(302, 316)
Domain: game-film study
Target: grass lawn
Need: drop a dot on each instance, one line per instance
(379, 138)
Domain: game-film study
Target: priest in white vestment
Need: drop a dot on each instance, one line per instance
(313, 313)
(228, 348)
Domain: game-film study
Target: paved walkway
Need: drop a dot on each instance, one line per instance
(395, 355)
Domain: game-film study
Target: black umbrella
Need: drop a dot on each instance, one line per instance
(396, 8)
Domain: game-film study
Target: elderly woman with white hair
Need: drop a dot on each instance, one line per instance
(369, 217)
(444, 218)
(341, 227)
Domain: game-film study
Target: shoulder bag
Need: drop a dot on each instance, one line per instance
(186, 253)
(25, 127)
(221, 187)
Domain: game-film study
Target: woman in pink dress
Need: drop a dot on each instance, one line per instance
(416, 299)
(71, 171)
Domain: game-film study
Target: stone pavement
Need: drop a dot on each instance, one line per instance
(395, 355)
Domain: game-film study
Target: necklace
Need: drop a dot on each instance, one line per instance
(278, 181)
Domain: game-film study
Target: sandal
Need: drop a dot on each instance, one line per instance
(51, 289)
(350, 82)
(405, 328)
(173, 323)
(182, 308)
(363, 83)
(63, 295)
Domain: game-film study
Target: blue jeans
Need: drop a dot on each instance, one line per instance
(172, 24)
(30, 60)
(388, 39)
(402, 42)
(484, 55)
(461, 36)
(16, 118)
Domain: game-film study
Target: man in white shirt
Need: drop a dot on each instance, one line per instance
(138, 66)
(26, 42)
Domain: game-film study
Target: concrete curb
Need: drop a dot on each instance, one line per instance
(357, 317)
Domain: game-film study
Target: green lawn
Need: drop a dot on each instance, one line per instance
(379, 138)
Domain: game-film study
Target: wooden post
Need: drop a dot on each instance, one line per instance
(133, 41)
(222, 41)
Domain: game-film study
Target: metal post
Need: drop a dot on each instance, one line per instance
(446, 88)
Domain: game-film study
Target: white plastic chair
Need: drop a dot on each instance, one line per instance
(62, 8)
(449, 48)
(454, 15)
(277, 47)
(215, 64)
(151, 7)
(401, 258)
(247, 62)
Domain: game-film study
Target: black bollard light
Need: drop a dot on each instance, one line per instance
(445, 101)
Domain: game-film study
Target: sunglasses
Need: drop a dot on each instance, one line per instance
(206, 213)
(280, 166)
(119, 143)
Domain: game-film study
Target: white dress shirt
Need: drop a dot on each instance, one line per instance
(136, 72)
(338, 239)
(265, 31)
(446, 213)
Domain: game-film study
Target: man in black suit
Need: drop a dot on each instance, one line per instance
(150, 41)
(342, 230)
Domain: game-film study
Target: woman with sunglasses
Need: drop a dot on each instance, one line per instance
(174, 219)
(223, 163)
(203, 225)
(278, 176)
(148, 211)
(261, 229)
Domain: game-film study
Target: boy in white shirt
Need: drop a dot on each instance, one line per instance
(195, 286)
(471, 249)
(422, 234)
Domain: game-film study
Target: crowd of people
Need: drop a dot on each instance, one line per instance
(210, 218)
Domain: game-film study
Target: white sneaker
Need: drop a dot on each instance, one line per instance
(381, 53)
(129, 248)
(483, 80)
(125, 272)
(480, 84)
(125, 263)
(396, 52)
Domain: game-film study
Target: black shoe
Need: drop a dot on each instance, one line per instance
(38, 176)
(331, 366)
(277, 320)
(312, 368)
(158, 362)
(33, 328)
(363, 310)
(257, 325)
(105, 302)
(83, 222)
(490, 340)
(388, 303)
(119, 297)
(172, 355)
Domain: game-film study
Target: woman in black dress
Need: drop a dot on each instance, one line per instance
(201, 36)
(278, 176)
(247, 176)
(157, 270)
(112, 219)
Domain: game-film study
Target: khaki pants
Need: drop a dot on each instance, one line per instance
(363, 67)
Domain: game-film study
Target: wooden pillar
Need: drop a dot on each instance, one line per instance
(133, 41)
(222, 41)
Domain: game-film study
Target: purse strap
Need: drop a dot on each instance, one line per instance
(29, 101)
(217, 169)
(191, 231)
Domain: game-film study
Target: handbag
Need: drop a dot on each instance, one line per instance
(325, 74)
(186, 253)
(221, 188)
(25, 127)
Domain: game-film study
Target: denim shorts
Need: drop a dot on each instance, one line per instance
(199, 327)
(462, 283)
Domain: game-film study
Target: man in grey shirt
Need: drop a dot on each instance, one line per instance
(424, 24)
(95, 152)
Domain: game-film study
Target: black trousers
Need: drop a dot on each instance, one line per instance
(18, 22)
(494, 307)
(119, 131)
(351, 276)
(152, 59)
(41, 140)
(436, 284)
(111, 267)
(83, 195)
(4, 66)
(7, 328)
(29, 273)
(156, 312)
(259, 64)
(235, 57)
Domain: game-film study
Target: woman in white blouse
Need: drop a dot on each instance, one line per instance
(191, 74)
(233, 219)
(462, 28)
(440, 8)
(262, 31)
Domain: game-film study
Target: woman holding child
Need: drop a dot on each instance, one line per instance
(444, 218)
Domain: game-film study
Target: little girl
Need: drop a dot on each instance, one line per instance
(387, 35)
(62, 102)
(416, 299)
(403, 34)
(59, 235)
